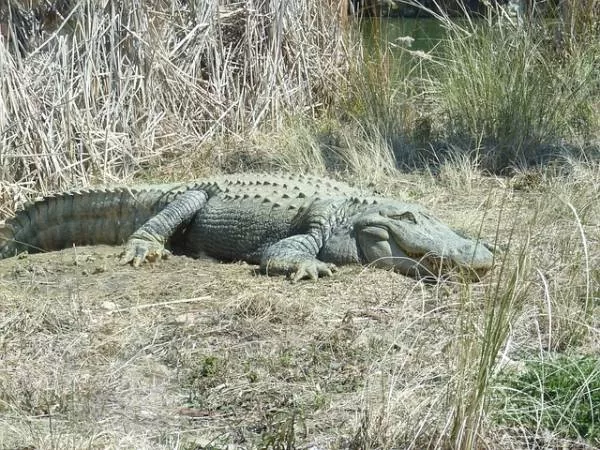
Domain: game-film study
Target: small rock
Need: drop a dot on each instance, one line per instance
(109, 306)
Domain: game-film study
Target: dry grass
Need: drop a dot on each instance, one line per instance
(118, 87)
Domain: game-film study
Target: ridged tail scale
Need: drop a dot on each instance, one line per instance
(86, 217)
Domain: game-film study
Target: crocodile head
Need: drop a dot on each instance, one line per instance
(409, 240)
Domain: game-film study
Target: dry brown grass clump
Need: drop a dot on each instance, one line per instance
(108, 87)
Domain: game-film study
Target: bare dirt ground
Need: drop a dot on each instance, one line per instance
(197, 354)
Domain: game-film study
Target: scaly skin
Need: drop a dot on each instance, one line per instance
(299, 226)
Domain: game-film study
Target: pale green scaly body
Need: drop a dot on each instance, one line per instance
(296, 225)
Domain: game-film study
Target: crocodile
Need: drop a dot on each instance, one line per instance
(294, 225)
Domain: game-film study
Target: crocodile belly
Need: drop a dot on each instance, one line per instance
(234, 234)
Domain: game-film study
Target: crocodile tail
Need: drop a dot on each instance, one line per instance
(87, 217)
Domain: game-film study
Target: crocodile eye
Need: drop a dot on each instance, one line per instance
(405, 217)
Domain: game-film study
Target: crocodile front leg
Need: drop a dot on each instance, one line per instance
(148, 242)
(296, 257)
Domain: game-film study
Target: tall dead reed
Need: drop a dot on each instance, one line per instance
(92, 91)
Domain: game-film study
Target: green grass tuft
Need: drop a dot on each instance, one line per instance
(500, 90)
(559, 393)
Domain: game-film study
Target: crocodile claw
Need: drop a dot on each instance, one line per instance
(139, 250)
(311, 270)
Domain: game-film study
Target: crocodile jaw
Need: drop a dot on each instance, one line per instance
(383, 245)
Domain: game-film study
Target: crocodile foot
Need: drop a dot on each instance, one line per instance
(139, 250)
(311, 270)
(299, 270)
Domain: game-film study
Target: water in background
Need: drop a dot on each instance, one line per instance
(425, 32)
(404, 42)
